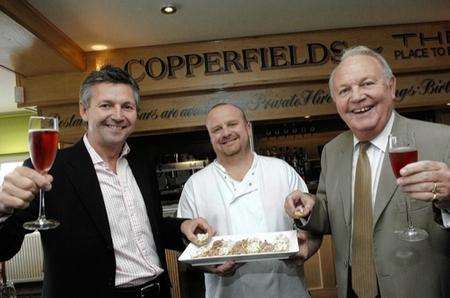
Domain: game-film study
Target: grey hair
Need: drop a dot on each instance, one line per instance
(107, 74)
(362, 51)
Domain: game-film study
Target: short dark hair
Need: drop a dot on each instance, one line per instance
(229, 104)
(107, 74)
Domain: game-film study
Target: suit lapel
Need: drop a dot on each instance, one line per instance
(387, 184)
(386, 188)
(82, 174)
(345, 177)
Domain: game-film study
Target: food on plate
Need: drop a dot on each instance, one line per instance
(222, 247)
(202, 239)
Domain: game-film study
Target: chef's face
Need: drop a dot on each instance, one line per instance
(228, 130)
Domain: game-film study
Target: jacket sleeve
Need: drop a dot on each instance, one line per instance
(11, 237)
(11, 231)
(172, 236)
(318, 222)
(442, 217)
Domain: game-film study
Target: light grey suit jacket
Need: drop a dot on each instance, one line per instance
(418, 269)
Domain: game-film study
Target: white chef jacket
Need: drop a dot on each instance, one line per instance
(255, 204)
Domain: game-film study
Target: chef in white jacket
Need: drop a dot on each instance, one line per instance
(239, 193)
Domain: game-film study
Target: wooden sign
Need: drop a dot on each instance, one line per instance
(293, 100)
(254, 61)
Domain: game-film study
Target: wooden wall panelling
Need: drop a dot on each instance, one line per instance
(174, 272)
(315, 56)
(40, 28)
(25, 54)
(310, 48)
(320, 272)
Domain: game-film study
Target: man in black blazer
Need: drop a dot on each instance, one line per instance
(112, 235)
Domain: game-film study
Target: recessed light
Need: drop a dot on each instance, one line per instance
(168, 9)
(448, 103)
(99, 47)
(307, 116)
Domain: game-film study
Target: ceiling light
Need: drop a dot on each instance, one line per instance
(448, 103)
(307, 116)
(168, 9)
(99, 47)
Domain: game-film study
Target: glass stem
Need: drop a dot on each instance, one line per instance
(41, 204)
(408, 218)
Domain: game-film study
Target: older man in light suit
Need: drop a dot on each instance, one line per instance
(371, 260)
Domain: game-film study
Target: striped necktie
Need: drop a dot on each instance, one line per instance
(364, 279)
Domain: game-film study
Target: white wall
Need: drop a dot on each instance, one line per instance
(7, 84)
(7, 167)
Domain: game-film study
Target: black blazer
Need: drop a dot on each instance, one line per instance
(79, 258)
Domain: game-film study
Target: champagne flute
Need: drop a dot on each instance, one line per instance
(43, 137)
(403, 151)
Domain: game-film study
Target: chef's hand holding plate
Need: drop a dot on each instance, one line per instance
(226, 269)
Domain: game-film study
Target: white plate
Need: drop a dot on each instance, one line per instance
(192, 250)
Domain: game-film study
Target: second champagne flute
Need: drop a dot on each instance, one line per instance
(403, 151)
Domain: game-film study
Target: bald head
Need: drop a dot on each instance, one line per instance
(229, 131)
(222, 104)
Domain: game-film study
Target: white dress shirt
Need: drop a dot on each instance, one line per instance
(376, 153)
(255, 204)
(134, 247)
(446, 218)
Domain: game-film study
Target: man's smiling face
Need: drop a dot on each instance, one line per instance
(363, 95)
(228, 131)
(111, 115)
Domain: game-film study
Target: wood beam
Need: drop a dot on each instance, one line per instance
(30, 18)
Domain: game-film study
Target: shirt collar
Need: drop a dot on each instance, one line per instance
(96, 158)
(381, 140)
(221, 168)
